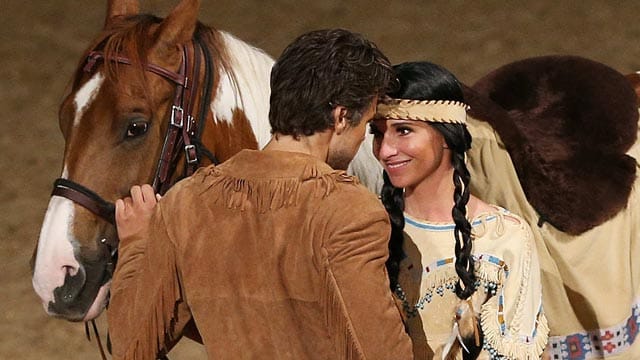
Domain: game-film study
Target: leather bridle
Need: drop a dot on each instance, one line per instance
(183, 133)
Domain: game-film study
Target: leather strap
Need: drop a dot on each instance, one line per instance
(95, 56)
(85, 197)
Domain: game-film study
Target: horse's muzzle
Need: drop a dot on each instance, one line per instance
(75, 297)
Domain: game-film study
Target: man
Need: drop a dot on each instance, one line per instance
(276, 254)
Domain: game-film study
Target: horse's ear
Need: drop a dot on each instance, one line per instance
(117, 8)
(177, 28)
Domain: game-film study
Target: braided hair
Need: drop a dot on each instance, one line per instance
(427, 81)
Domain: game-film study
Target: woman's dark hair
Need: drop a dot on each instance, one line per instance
(319, 71)
(427, 81)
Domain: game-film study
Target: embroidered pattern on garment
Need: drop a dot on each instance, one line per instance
(491, 273)
(446, 279)
(501, 345)
(600, 343)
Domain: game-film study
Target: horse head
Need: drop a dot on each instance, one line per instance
(136, 113)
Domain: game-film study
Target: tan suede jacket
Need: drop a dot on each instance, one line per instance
(274, 255)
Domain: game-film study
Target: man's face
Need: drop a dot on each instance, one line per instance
(346, 145)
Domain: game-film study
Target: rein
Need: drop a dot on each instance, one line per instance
(183, 134)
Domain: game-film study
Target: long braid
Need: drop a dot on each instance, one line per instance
(464, 261)
(465, 266)
(393, 201)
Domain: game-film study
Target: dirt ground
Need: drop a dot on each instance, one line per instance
(41, 42)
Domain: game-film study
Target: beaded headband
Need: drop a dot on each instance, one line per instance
(442, 111)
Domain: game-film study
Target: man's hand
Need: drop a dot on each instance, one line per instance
(134, 213)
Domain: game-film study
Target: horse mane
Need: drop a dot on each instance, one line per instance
(567, 123)
(251, 66)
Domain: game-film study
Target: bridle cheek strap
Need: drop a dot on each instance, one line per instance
(183, 123)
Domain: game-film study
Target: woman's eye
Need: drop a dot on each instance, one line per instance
(403, 130)
(137, 128)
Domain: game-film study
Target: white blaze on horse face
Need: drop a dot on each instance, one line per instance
(55, 256)
(246, 88)
(85, 95)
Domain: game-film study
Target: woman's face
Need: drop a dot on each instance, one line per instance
(410, 151)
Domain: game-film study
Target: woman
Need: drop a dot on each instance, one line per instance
(465, 272)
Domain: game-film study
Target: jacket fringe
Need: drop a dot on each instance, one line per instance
(158, 326)
(337, 320)
(271, 194)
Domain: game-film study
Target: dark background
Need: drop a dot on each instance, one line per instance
(41, 42)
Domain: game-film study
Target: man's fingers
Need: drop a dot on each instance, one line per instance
(136, 194)
(119, 209)
(147, 193)
(128, 205)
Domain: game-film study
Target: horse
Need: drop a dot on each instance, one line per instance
(151, 100)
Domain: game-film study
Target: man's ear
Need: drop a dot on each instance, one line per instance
(339, 119)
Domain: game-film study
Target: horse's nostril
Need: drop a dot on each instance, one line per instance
(74, 282)
(70, 270)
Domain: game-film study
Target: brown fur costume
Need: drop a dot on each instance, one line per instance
(567, 123)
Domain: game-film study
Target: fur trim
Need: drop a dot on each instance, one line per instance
(567, 123)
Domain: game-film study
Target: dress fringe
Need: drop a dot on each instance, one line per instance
(501, 344)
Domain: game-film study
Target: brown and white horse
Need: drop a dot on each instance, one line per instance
(151, 100)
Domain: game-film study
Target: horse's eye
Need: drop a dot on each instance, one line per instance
(137, 128)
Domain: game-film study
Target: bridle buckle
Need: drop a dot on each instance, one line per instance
(190, 154)
(177, 116)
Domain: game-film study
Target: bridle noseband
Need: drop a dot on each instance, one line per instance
(85, 197)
